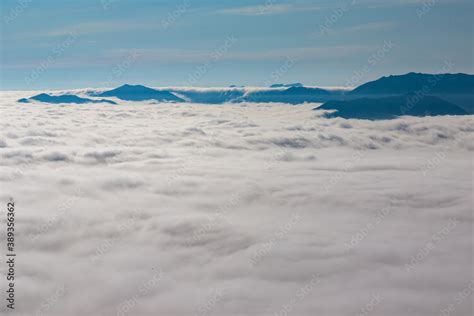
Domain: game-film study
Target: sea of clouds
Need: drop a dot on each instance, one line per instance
(236, 209)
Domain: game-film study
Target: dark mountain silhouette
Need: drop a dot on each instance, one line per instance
(454, 88)
(305, 91)
(417, 82)
(140, 93)
(65, 98)
(391, 107)
(292, 95)
(289, 85)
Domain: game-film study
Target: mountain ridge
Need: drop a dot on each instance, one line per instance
(412, 82)
(129, 92)
(391, 107)
(456, 89)
(64, 98)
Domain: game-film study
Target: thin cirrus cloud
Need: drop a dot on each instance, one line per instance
(263, 9)
(95, 27)
(271, 7)
(370, 27)
(300, 53)
(358, 28)
(190, 56)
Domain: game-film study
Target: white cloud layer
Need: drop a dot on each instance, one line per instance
(237, 209)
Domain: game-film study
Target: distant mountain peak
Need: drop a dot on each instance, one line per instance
(287, 85)
(446, 83)
(129, 92)
(64, 98)
(384, 108)
(132, 86)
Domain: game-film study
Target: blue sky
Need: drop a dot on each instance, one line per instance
(88, 43)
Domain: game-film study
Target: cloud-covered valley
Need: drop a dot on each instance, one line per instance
(236, 209)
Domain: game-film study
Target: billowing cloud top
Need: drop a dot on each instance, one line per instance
(249, 209)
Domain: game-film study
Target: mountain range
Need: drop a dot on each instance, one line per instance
(435, 94)
(391, 107)
(413, 82)
(64, 98)
(140, 93)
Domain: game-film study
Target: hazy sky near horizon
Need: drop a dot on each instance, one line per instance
(75, 44)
